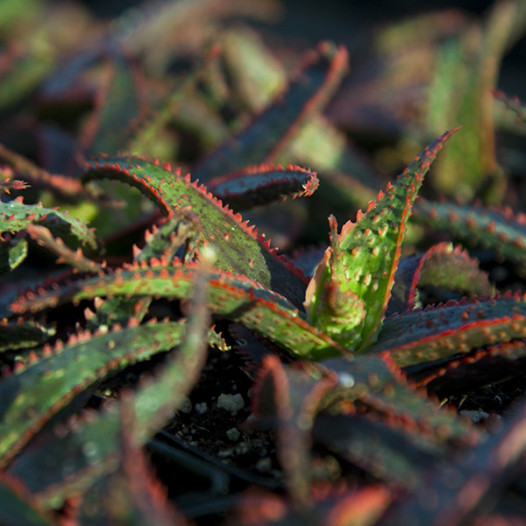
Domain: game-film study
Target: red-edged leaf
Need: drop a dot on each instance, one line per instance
(350, 290)
(273, 129)
(263, 184)
(441, 331)
(239, 248)
(292, 397)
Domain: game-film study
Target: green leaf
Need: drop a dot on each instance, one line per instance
(82, 453)
(456, 327)
(15, 216)
(234, 297)
(348, 295)
(238, 247)
(119, 105)
(273, 129)
(29, 398)
(259, 185)
(498, 229)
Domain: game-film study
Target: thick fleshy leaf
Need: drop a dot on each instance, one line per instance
(376, 382)
(272, 130)
(160, 242)
(119, 106)
(445, 267)
(499, 230)
(30, 397)
(263, 184)
(84, 451)
(22, 334)
(12, 253)
(513, 104)
(455, 327)
(15, 216)
(454, 494)
(386, 452)
(348, 295)
(131, 494)
(239, 248)
(17, 507)
(234, 297)
(293, 398)
(465, 77)
(75, 259)
(468, 372)
(65, 187)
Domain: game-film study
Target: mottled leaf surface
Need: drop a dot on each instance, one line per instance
(30, 397)
(233, 297)
(239, 248)
(348, 295)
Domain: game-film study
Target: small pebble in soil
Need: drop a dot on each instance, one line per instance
(186, 406)
(475, 416)
(233, 434)
(201, 408)
(241, 449)
(264, 464)
(230, 402)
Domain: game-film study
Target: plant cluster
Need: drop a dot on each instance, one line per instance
(351, 361)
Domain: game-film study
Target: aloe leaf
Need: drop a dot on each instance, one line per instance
(15, 216)
(184, 108)
(474, 72)
(7, 183)
(30, 397)
(442, 267)
(499, 230)
(84, 452)
(234, 297)
(387, 453)
(514, 104)
(356, 507)
(273, 129)
(12, 254)
(482, 475)
(293, 398)
(482, 367)
(263, 184)
(347, 178)
(377, 382)
(131, 494)
(17, 507)
(455, 327)
(161, 242)
(159, 34)
(447, 267)
(22, 334)
(24, 75)
(256, 75)
(239, 248)
(65, 187)
(119, 105)
(75, 259)
(350, 290)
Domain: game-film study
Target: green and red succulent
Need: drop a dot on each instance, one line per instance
(344, 357)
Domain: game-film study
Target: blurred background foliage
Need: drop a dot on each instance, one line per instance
(174, 79)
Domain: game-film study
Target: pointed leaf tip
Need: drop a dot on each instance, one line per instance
(348, 295)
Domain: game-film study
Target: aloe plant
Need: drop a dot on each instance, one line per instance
(132, 284)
